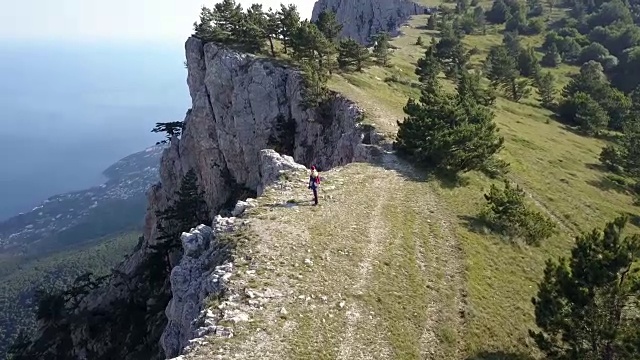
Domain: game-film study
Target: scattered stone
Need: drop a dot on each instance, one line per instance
(341, 304)
(283, 311)
(308, 262)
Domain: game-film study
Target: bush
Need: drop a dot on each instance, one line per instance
(508, 214)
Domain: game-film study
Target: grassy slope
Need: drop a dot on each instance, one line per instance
(556, 166)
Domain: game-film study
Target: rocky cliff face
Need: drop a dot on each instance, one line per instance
(241, 105)
(361, 19)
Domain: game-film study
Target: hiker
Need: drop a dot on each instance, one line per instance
(314, 182)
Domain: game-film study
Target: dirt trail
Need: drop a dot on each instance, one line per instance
(374, 272)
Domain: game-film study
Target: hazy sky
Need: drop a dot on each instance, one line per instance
(115, 20)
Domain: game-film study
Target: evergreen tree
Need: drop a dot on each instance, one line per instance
(551, 57)
(328, 25)
(428, 68)
(535, 8)
(502, 71)
(352, 54)
(227, 20)
(469, 88)
(419, 41)
(381, 50)
(517, 19)
(585, 305)
(519, 89)
(507, 213)
(187, 211)
(171, 129)
(308, 43)
(253, 29)
(479, 18)
(446, 132)
(528, 63)
(450, 52)
(511, 40)
(432, 23)
(589, 116)
(498, 13)
(289, 23)
(204, 29)
(272, 29)
(315, 79)
(545, 85)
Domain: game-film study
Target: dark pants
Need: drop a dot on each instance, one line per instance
(315, 195)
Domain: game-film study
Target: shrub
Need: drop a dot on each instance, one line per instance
(507, 213)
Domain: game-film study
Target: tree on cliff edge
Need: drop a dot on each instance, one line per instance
(170, 128)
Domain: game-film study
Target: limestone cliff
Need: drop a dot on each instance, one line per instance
(361, 19)
(241, 105)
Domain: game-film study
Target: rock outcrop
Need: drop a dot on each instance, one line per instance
(242, 106)
(361, 19)
(194, 280)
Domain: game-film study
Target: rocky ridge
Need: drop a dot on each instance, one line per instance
(362, 19)
(241, 105)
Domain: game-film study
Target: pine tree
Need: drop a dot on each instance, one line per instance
(352, 54)
(432, 23)
(254, 29)
(498, 13)
(381, 48)
(450, 133)
(328, 25)
(589, 115)
(419, 41)
(171, 129)
(427, 69)
(227, 19)
(519, 89)
(528, 64)
(501, 67)
(469, 88)
(511, 40)
(479, 18)
(289, 23)
(551, 57)
(315, 79)
(188, 211)
(585, 305)
(545, 85)
(272, 29)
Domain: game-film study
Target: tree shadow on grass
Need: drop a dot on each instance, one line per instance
(597, 167)
(606, 184)
(474, 224)
(634, 219)
(499, 355)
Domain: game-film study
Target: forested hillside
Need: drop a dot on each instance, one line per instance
(20, 281)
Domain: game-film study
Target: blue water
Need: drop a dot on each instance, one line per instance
(67, 112)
